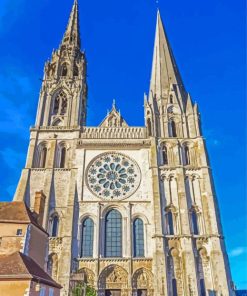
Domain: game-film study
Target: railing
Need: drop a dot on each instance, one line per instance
(114, 133)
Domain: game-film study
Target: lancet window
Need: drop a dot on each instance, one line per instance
(169, 223)
(64, 70)
(113, 234)
(62, 157)
(165, 155)
(194, 222)
(54, 223)
(138, 238)
(172, 129)
(87, 238)
(186, 155)
(60, 104)
(42, 157)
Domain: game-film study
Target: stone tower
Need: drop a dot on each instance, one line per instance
(129, 210)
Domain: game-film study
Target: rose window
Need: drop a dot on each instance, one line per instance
(113, 176)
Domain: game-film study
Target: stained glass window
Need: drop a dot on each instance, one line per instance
(87, 238)
(54, 226)
(138, 238)
(113, 234)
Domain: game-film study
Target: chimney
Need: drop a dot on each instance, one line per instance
(39, 206)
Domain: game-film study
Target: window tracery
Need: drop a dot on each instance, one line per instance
(60, 104)
(113, 176)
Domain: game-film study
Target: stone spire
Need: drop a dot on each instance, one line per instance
(72, 33)
(164, 70)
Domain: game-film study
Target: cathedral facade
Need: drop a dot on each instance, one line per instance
(129, 210)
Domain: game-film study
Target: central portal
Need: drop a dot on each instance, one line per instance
(112, 292)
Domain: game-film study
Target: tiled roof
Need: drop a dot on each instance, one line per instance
(20, 266)
(17, 212)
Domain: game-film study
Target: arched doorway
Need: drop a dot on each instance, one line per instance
(113, 281)
(142, 283)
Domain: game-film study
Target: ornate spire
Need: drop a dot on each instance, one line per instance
(164, 70)
(72, 33)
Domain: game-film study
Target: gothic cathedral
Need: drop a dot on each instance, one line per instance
(130, 210)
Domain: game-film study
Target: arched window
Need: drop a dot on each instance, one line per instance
(54, 226)
(174, 287)
(56, 106)
(113, 234)
(172, 128)
(42, 157)
(194, 222)
(60, 104)
(169, 221)
(138, 238)
(149, 126)
(165, 155)
(87, 238)
(76, 71)
(171, 99)
(202, 288)
(62, 157)
(186, 155)
(64, 70)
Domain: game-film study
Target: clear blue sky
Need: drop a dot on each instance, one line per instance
(208, 40)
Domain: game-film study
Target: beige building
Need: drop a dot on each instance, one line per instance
(131, 210)
(24, 250)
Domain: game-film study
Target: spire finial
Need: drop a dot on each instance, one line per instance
(72, 33)
(114, 104)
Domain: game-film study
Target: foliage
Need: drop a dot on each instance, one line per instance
(79, 289)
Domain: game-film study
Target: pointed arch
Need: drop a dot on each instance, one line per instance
(172, 130)
(53, 225)
(60, 103)
(149, 127)
(113, 234)
(138, 238)
(186, 155)
(87, 236)
(64, 70)
(194, 222)
(41, 157)
(165, 155)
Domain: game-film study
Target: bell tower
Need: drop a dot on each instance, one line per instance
(63, 95)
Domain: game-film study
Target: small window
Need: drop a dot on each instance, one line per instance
(194, 221)
(42, 158)
(170, 227)
(76, 71)
(149, 127)
(42, 291)
(171, 99)
(54, 222)
(51, 291)
(63, 157)
(64, 70)
(172, 129)
(186, 155)
(19, 232)
(165, 156)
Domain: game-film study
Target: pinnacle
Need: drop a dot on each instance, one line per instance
(72, 33)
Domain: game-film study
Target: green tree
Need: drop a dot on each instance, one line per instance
(79, 290)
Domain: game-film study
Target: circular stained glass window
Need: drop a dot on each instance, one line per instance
(113, 176)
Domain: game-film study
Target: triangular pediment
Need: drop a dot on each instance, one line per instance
(113, 119)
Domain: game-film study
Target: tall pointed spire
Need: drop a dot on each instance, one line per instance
(164, 70)
(72, 33)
